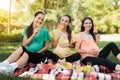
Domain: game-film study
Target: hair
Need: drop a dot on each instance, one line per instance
(91, 30)
(68, 29)
(30, 27)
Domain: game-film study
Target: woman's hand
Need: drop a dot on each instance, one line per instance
(44, 48)
(93, 52)
(26, 40)
(97, 38)
(36, 30)
(64, 45)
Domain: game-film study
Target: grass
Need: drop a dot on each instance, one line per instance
(12, 77)
(7, 48)
(111, 56)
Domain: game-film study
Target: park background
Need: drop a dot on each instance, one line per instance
(16, 14)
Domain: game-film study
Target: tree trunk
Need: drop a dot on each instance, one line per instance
(9, 17)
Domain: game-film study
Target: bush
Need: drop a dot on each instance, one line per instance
(11, 37)
(16, 38)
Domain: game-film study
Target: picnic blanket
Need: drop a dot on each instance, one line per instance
(58, 72)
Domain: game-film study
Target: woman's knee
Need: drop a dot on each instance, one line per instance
(112, 44)
(22, 50)
(25, 55)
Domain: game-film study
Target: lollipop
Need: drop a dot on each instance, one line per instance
(37, 24)
(60, 26)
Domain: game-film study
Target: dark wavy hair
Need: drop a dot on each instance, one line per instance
(91, 30)
(68, 28)
(30, 27)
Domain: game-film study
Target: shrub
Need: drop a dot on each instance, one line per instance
(11, 37)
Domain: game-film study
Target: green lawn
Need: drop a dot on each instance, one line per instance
(111, 56)
(6, 48)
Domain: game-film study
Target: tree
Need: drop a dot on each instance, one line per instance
(9, 17)
(104, 13)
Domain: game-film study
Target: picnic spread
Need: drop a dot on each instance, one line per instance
(67, 71)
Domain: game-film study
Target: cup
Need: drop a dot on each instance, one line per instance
(89, 66)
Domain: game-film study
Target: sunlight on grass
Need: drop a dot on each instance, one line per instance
(110, 37)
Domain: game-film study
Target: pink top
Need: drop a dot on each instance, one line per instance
(86, 43)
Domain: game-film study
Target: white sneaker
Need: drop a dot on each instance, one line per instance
(6, 68)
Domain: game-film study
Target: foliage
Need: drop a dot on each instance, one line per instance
(105, 13)
(11, 37)
(3, 16)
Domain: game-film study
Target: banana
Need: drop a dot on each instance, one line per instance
(67, 65)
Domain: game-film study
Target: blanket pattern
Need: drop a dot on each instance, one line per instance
(53, 72)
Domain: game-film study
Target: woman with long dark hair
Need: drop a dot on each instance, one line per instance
(63, 39)
(86, 45)
(35, 42)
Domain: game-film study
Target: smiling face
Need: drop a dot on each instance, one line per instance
(87, 25)
(38, 19)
